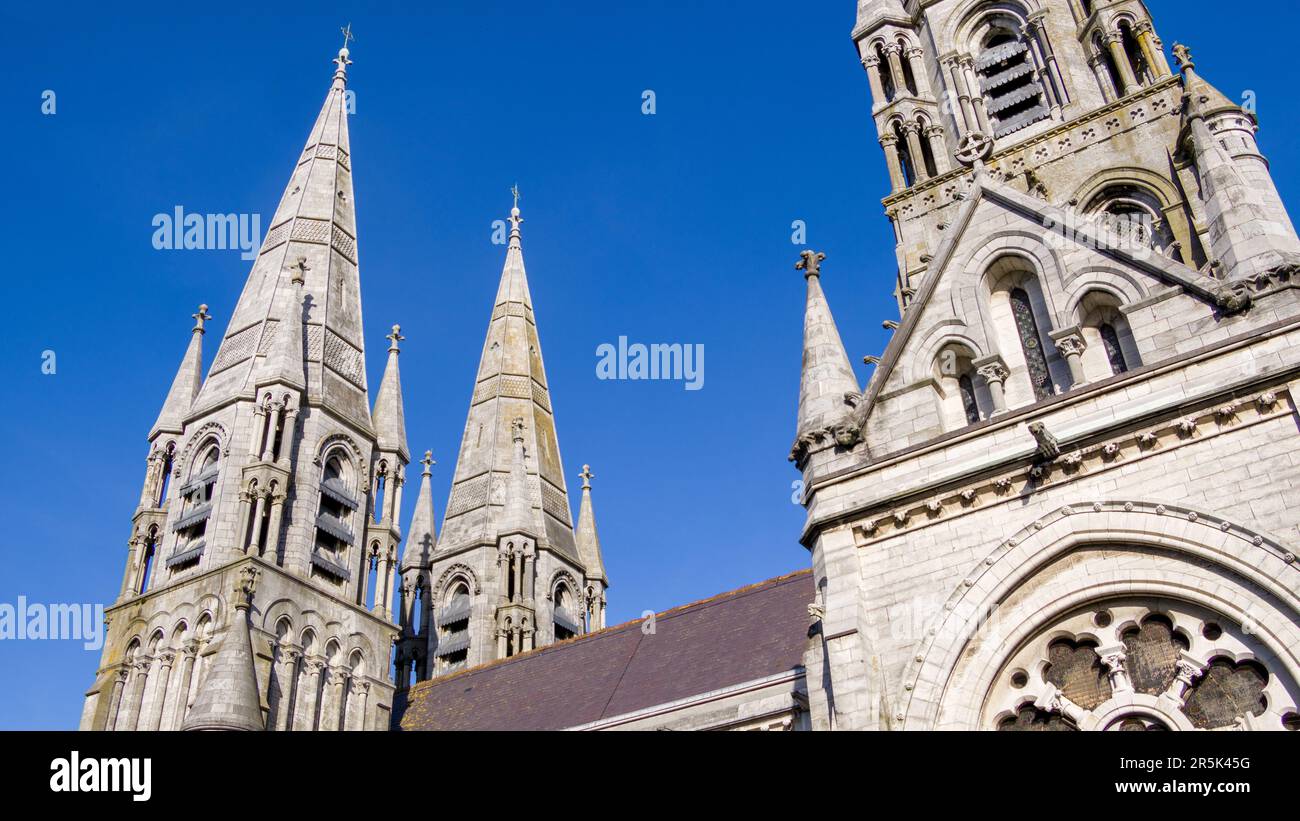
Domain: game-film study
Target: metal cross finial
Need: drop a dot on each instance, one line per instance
(515, 219)
(810, 263)
(586, 477)
(201, 317)
(514, 189)
(395, 337)
(348, 36)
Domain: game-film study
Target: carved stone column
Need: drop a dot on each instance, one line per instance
(1071, 344)
(331, 713)
(1114, 658)
(912, 132)
(287, 675)
(358, 714)
(139, 679)
(1037, 34)
(976, 95)
(1108, 90)
(188, 655)
(164, 661)
(255, 534)
(922, 77)
(938, 148)
(387, 582)
(1153, 50)
(967, 121)
(128, 578)
(273, 525)
(502, 647)
(1189, 670)
(304, 720)
(1128, 80)
(115, 697)
(994, 372)
(1054, 701)
(896, 179)
(259, 429)
(268, 445)
(872, 65)
(893, 53)
(286, 439)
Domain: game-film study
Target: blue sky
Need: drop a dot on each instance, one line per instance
(667, 228)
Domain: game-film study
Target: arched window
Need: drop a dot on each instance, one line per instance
(886, 74)
(197, 499)
(962, 399)
(1031, 343)
(453, 626)
(148, 559)
(565, 615)
(1136, 59)
(1008, 77)
(1110, 347)
(905, 158)
(334, 537)
(165, 481)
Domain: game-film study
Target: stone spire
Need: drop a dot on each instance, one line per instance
(511, 385)
(422, 538)
(1250, 230)
(228, 698)
(389, 418)
(587, 537)
(828, 384)
(186, 384)
(313, 235)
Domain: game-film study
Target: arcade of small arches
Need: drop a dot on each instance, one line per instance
(149, 690)
(315, 684)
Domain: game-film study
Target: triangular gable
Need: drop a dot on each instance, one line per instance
(1044, 217)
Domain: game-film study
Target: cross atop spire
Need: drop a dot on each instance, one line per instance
(810, 263)
(586, 476)
(201, 318)
(394, 338)
(515, 219)
(342, 60)
(428, 462)
(1183, 55)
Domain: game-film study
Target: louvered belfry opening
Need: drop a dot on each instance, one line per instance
(1009, 79)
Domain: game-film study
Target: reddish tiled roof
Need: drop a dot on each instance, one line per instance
(730, 639)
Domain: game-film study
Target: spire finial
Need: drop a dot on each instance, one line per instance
(428, 462)
(1183, 55)
(810, 263)
(394, 338)
(342, 60)
(200, 318)
(586, 477)
(515, 219)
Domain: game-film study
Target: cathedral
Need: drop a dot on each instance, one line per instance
(1059, 503)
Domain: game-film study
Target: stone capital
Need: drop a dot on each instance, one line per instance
(1069, 341)
(992, 369)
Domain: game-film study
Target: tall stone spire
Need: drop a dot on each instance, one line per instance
(422, 538)
(389, 417)
(828, 383)
(186, 384)
(228, 698)
(313, 233)
(511, 385)
(587, 537)
(1250, 230)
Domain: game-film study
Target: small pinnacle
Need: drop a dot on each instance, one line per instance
(586, 477)
(200, 318)
(428, 463)
(394, 338)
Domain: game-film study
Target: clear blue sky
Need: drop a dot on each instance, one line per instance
(671, 228)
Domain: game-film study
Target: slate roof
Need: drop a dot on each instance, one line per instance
(730, 639)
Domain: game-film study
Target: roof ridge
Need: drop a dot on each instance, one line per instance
(707, 602)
